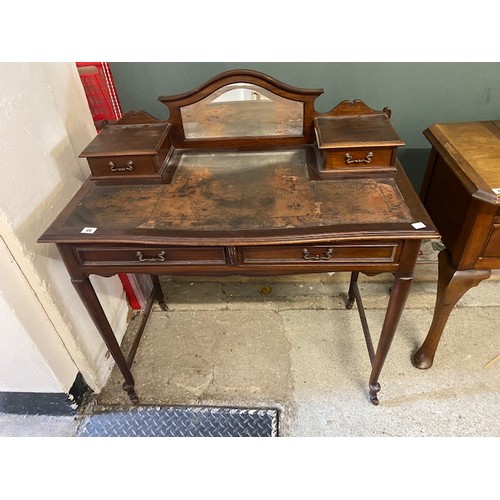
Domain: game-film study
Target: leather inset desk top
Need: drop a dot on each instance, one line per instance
(227, 191)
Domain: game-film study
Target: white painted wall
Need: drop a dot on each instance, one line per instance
(33, 359)
(44, 124)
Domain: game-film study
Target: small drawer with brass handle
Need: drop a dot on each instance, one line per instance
(121, 165)
(353, 143)
(130, 151)
(357, 159)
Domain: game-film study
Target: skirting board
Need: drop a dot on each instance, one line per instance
(45, 403)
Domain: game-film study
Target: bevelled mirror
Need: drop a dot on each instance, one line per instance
(242, 110)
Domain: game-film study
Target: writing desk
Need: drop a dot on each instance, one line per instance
(253, 206)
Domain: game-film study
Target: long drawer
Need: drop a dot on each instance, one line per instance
(149, 255)
(321, 254)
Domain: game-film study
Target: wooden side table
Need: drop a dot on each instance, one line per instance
(461, 191)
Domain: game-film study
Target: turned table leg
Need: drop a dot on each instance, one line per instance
(452, 285)
(85, 290)
(91, 302)
(397, 300)
(350, 294)
(159, 292)
(399, 293)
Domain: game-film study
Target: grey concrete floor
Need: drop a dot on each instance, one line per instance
(289, 343)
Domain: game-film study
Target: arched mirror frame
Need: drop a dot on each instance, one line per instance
(305, 96)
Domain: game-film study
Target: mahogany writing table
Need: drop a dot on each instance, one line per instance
(271, 203)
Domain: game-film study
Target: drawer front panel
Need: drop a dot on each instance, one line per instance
(320, 254)
(168, 256)
(492, 248)
(358, 158)
(116, 166)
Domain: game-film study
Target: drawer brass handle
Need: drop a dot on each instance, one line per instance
(159, 258)
(129, 167)
(327, 255)
(366, 159)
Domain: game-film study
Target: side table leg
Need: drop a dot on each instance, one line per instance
(90, 300)
(452, 285)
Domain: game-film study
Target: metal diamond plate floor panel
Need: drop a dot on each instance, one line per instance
(181, 422)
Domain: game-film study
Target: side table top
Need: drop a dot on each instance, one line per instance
(475, 149)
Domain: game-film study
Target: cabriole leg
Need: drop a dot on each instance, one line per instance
(452, 285)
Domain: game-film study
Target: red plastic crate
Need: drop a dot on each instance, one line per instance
(100, 91)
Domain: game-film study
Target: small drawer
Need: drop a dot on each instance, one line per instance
(320, 254)
(130, 151)
(356, 143)
(144, 256)
(354, 159)
(117, 166)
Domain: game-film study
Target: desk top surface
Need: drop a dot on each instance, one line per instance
(227, 197)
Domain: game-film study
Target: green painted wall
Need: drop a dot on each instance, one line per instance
(419, 94)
